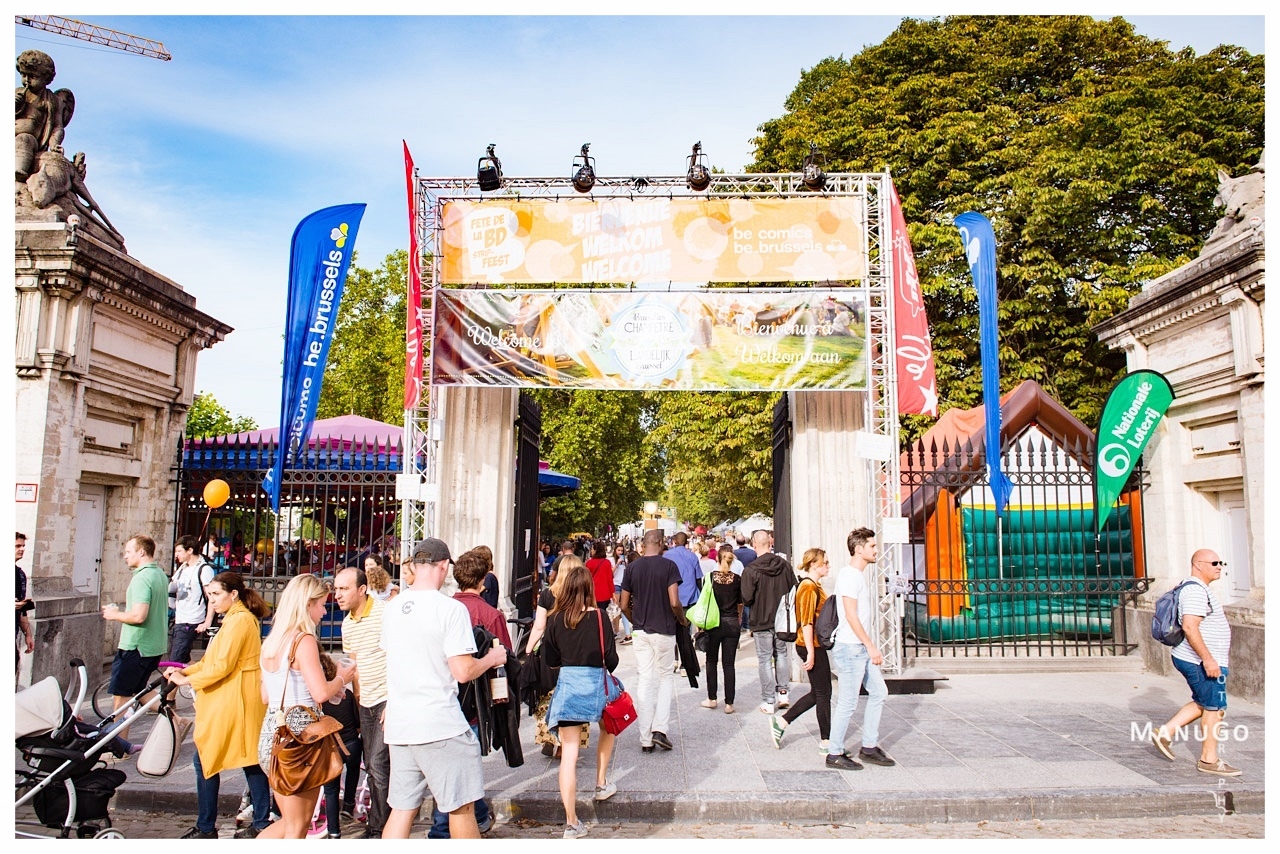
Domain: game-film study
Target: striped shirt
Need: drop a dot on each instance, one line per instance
(1197, 600)
(362, 640)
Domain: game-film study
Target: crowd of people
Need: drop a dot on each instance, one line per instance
(406, 650)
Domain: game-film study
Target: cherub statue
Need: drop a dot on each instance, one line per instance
(41, 115)
(51, 180)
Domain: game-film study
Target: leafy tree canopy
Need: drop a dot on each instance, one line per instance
(207, 418)
(1092, 149)
(718, 452)
(365, 371)
(599, 437)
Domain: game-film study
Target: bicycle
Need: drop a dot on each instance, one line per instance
(103, 701)
(521, 626)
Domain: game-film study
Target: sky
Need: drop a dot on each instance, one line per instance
(206, 163)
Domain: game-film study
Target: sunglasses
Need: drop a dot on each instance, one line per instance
(1215, 562)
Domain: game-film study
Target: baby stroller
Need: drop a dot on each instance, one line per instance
(68, 781)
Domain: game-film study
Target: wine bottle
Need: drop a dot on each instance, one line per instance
(498, 682)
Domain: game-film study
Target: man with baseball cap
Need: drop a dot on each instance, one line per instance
(430, 649)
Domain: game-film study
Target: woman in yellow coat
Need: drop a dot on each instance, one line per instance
(229, 707)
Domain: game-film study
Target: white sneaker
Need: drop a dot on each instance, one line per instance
(575, 831)
(766, 708)
(783, 702)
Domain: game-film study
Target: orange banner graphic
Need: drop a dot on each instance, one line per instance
(653, 240)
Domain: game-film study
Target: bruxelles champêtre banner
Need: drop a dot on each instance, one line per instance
(735, 339)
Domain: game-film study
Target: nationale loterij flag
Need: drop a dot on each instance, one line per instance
(913, 348)
(980, 250)
(413, 301)
(318, 260)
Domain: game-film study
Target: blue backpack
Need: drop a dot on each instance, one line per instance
(1166, 624)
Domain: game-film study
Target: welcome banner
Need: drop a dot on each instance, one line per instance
(703, 340)
(318, 262)
(652, 240)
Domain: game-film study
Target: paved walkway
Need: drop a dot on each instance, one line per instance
(993, 747)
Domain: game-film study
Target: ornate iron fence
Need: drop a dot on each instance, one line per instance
(1038, 580)
(336, 506)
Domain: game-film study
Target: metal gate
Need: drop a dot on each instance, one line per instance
(781, 477)
(524, 551)
(1036, 581)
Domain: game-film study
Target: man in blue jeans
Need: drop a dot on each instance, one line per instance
(1201, 658)
(856, 658)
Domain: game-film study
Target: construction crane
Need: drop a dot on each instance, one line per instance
(98, 35)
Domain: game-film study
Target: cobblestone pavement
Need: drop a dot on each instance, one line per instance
(143, 825)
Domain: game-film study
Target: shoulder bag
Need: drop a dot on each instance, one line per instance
(620, 712)
(705, 613)
(307, 759)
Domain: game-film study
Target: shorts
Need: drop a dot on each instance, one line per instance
(129, 672)
(1208, 694)
(450, 768)
(182, 638)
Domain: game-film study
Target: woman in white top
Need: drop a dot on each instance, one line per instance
(300, 682)
(380, 585)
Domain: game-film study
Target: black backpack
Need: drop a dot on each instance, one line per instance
(1166, 623)
(824, 627)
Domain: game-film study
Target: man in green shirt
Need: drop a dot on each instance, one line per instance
(145, 618)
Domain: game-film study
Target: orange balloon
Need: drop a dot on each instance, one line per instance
(265, 546)
(216, 493)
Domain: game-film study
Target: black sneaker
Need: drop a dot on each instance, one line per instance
(661, 740)
(843, 762)
(197, 833)
(249, 832)
(876, 756)
(371, 834)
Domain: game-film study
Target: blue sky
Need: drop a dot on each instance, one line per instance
(207, 163)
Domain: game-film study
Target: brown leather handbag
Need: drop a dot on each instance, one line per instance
(308, 759)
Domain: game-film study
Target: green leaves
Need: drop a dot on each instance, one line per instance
(1092, 149)
(207, 418)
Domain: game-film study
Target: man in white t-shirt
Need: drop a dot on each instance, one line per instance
(192, 612)
(430, 649)
(1201, 658)
(857, 659)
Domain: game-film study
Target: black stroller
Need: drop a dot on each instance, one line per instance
(68, 781)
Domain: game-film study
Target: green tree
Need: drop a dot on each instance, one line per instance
(1093, 150)
(365, 371)
(207, 418)
(718, 452)
(599, 437)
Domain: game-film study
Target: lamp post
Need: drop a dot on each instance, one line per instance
(650, 515)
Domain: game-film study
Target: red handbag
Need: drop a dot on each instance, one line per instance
(620, 712)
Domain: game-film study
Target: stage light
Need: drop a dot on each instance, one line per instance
(811, 174)
(489, 170)
(584, 176)
(698, 176)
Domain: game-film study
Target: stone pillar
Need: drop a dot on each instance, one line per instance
(830, 486)
(105, 358)
(477, 464)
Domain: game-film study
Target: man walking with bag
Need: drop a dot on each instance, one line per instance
(193, 613)
(650, 599)
(1201, 658)
(765, 581)
(430, 649)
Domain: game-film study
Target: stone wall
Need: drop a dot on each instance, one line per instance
(105, 360)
